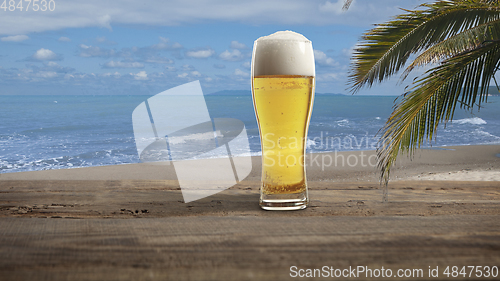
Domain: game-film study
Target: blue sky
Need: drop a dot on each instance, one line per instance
(145, 47)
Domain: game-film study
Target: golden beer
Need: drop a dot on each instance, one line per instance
(283, 106)
(283, 93)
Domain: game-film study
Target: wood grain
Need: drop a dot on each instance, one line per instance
(142, 230)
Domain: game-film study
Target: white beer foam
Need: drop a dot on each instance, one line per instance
(283, 53)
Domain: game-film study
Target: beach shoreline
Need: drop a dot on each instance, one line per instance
(466, 174)
(472, 163)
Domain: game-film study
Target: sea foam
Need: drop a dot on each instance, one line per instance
(473, 121)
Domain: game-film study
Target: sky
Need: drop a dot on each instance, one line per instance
(145, 47)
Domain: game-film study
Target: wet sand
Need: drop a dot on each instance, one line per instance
(129, 222)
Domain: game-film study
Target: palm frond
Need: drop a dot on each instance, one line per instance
(454, 45)
(346, 5)
(463, 78)
(386, 48)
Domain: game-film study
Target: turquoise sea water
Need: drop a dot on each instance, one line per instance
(54, 132)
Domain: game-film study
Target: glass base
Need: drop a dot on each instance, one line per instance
(284, 202)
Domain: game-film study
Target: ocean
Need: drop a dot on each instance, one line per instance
(64, 131)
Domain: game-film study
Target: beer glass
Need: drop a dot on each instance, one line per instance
(283, 83)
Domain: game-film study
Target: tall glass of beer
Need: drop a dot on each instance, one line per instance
(283, 74)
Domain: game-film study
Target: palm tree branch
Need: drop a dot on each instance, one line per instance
(464, 41)
(386, 48)
(434, 99)
(346, 5)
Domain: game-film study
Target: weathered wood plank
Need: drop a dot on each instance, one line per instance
(125, 199)
(263, 247)
(90, 230)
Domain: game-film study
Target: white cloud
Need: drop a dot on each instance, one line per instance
(101, 39)
(234, 55)
(92, 51)
(170, 68)
(141, 75)
(109, 74)
(77, 76)
(325, 77)
(54, 66)
(14, 38)
(188, 67)
(322, 59)
(162, 45)
(196, 73)
(200, 54)
(36, 72)
(97, 13)
(237, 45)
(148, 54)
(158, 59)
(64, 39)
(176, 46)
(246, 65)
(330, 7)
(192, 74)
(348, 52)
(121, 64)
(44, 54)
(239, 72)
(104, 21)
(165, 45)
(46, 74)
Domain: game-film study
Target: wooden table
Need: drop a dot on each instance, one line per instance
(142, 230)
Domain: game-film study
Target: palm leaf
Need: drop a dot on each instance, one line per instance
(454, 45)
(346, 5)
(433, 99)
(387, 47)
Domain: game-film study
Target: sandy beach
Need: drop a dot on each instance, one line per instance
(460, 163)
(129, 222)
